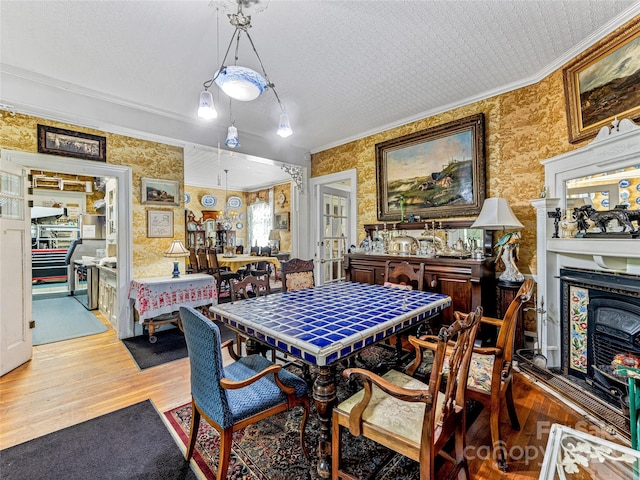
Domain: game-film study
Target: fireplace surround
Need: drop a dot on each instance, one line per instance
(614, 148)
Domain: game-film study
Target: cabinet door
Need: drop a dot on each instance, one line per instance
(458, 288)
(363, 275)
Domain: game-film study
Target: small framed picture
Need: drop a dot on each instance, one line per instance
(159, 223)
(156, 191)
(282, 221)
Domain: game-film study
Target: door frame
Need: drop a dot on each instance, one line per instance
(124, 176)
(315, 183)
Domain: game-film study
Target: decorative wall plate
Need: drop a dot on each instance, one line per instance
(209, 201)
(624, 194)
(282, 199)
(234, 202)
(187, 198)
(624, 183)
(239, 225)
(242, 216)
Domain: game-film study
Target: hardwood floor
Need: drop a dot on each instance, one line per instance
(72, 381)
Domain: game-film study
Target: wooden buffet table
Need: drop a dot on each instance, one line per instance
(470, 283)
(156, 300)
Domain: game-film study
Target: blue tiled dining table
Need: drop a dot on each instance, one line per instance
(325, 324)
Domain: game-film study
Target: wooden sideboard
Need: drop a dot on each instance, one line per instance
(469, 283)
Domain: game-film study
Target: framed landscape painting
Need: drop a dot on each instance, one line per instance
(435, 173)
(604, 83)
(155, 191)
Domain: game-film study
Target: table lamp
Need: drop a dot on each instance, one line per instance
(274, 240)
(176, 250)
(496, 214)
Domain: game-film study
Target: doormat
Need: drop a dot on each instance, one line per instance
(170, 346)
(133, 442)
(62, 318)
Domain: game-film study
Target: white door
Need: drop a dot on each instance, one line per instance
(334, 233)
(15, 270)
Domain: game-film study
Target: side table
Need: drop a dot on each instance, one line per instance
(506, 293)
(156, 300)
(576, 454)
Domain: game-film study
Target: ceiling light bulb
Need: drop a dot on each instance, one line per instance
(207, 110)
(284, 128)
(240, 83)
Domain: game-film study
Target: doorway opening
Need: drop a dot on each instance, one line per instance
(122, 238)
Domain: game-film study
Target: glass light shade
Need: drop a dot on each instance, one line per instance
(240, 83)
(232, 140)
(206, 109)
(496, 214)
(284, 128)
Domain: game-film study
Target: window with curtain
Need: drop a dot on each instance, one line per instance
(260, 215)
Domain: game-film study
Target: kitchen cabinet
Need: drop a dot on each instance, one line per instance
(469, 282)
(108, 294)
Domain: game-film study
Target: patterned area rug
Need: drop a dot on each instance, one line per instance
(270, 449)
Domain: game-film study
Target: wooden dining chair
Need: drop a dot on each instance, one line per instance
(404, 274)
(297, 274)
(230, 397)
(224, 277)
(248, 287)
(491, 371)
(408, 416)
(193, 261)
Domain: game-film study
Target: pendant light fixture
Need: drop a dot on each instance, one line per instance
(240, 83)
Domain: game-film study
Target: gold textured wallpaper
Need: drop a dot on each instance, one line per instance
(146, 159)
(522, 128)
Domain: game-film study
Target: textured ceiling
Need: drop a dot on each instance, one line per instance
(342, 68)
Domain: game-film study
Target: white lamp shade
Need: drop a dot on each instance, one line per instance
(240, 83)
(496, 214)
(206, 109)
(274, 235)
(284, 127)
(176, 250)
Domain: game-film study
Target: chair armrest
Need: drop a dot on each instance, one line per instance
(488, 351)
(234, 384)
(368, 379)
(229, 346)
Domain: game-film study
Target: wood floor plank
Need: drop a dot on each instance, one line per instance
(75, 380)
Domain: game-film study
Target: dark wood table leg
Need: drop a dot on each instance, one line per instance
(324, 397)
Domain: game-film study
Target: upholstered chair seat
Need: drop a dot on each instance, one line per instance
(236, 395)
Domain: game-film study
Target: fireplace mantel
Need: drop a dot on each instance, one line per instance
(614, 148)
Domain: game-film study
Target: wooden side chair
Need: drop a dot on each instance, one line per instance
(224, 277)
(259, 287)
(231, 397)
(193, 261)
(404, 274)
(491, 371)
(297, 274)
(409, 416)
